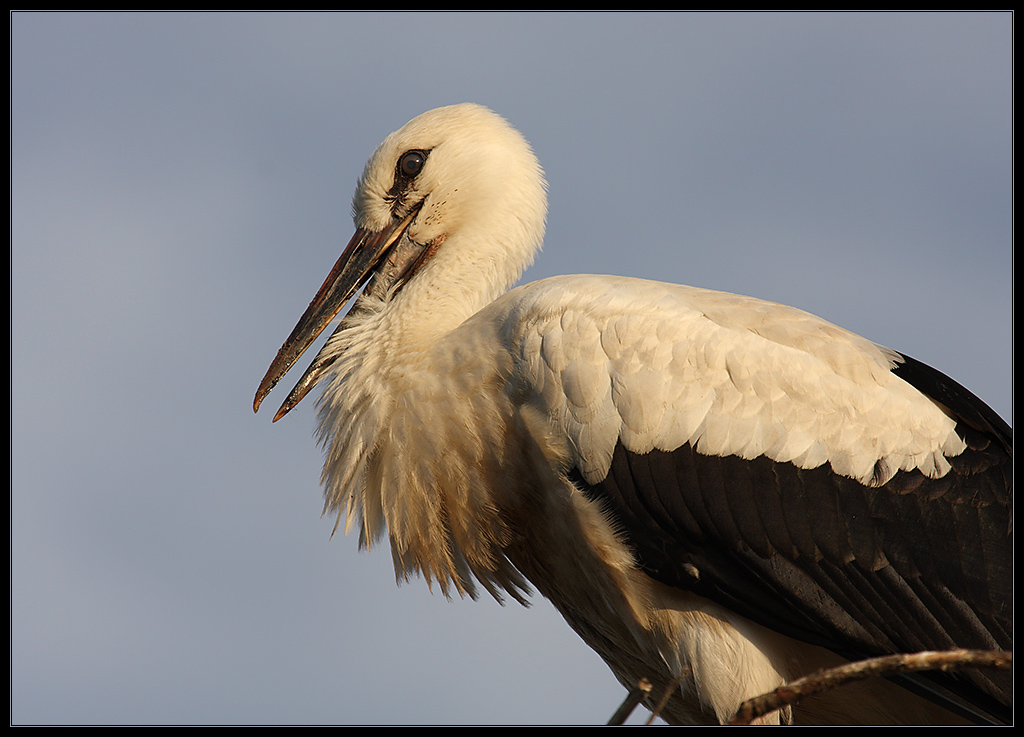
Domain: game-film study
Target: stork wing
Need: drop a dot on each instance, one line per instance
(780, 466)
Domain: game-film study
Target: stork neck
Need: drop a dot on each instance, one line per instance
(458, 282)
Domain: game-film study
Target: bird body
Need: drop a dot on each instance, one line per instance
(710, 488)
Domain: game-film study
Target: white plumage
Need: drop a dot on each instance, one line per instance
(655, 366)
(707, 486)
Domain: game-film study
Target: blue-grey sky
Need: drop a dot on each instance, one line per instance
(181, 184)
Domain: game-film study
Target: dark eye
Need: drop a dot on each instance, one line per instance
(411, 163)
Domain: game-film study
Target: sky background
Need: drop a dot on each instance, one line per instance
(181, 184)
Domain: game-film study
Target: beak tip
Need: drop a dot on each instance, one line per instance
(270, 380)
(261, 394)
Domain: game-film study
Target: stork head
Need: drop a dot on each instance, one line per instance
(454, 196)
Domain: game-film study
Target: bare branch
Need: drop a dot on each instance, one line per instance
(669, 690)
(634, 697)
(883, 666)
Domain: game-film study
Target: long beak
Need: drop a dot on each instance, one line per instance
(357, 263)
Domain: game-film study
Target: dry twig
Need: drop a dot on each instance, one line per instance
(634, 697)
(790, 693)
(828, 679)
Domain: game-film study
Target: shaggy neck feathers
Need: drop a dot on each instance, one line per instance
(389, 468)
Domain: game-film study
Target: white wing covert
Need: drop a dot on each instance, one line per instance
(780, 466)
(656, 366)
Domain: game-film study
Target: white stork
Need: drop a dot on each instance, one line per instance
(708, 487)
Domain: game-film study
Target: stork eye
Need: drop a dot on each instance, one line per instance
(411, 163)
